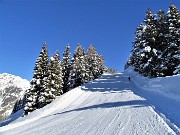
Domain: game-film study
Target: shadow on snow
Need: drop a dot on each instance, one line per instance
(131, 103)
(108, 83)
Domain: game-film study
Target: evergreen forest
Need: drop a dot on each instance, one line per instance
(156, 48)
(53, 77)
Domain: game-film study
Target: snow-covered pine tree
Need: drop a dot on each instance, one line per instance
(157, 44)
(144, 54)
(149, 49)
(66, 65)
(161, 43)
(73, 73)
(53, 85)
(85, 70)
(45, 95)
(93, 62)
(171, 54)
(57, 78)
(111, 70)
(101, 67)
(78, 67)
(38, 81)
(89, 69)
(138, 57)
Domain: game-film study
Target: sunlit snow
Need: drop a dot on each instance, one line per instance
(148, 48)
(108, 105)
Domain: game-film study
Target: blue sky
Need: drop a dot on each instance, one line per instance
(107, 24)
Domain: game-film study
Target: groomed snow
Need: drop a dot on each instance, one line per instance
(106, 106)
(162, 92)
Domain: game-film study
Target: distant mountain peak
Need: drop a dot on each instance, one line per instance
(11, 89)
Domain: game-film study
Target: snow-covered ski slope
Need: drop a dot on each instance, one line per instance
(161, 92)
(106, 106)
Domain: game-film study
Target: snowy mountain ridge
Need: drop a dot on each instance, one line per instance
(11, 88)
(108, 105)
(7, 79)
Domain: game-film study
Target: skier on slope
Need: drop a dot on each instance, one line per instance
(129, 78)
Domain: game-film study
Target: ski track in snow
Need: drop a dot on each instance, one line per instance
(106, 106)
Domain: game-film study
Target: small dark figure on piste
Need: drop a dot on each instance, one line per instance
(129, 78)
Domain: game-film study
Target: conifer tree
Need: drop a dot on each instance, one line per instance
(78, 67)
(53, 82)
(101, 67)
(172, 50)
(93, 62)
(157, 44)
(73, 73)
(84, 68)
(150, 46)
(45, 96)
(38, 81)
(161, 42)
(56, 70)
(66, 65)
(144, 54)
(136, 55)
(87, 73)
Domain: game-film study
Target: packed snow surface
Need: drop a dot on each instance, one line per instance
(105, 106)
(162, 92)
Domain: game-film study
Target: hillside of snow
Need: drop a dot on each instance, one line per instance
(163, 93)
(108, 105)
(11, 88)
(166, 86)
